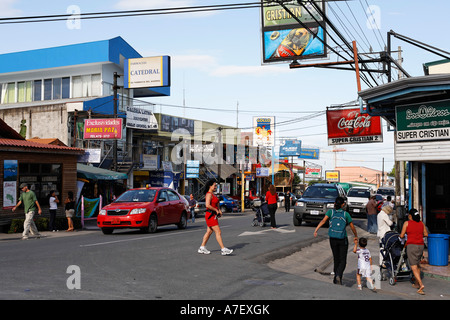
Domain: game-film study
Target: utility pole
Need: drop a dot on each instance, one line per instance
(115, 89)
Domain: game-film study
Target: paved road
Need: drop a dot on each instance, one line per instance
(166, 265)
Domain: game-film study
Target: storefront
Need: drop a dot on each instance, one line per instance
(419, 110)
(44, 167)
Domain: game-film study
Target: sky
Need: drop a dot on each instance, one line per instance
(217, 60)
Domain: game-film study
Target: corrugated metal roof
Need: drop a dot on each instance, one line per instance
(34, 146)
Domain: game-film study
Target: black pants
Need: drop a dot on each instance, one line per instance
(272, 209)
(51, 224)
(339, 247)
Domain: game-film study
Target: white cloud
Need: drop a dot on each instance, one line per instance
(151, 4)
(210, 65)
(7, 8)
(225, 71)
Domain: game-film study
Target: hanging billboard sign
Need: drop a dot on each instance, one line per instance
(264, 131)
(423, 121)
(307, 153)
(140, 118)
(349, 126)
(103, 129)
(282, 37)
(290, 148)
(313, 172)
(148, 72)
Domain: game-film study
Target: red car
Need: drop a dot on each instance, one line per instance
(145, 209)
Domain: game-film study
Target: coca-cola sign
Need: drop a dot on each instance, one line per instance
(350, 126)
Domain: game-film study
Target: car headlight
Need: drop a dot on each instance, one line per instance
(102, 212)
(138, 211)
(300, 204)
(330, 205)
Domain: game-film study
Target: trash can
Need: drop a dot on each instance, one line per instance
(438, 249)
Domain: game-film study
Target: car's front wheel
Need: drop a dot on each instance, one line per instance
(152, 224)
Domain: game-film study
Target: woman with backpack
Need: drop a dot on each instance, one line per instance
(339, 219)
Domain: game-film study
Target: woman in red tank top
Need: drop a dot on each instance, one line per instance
(211, 216)
(415, 230)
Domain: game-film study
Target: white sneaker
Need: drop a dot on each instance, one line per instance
(203, 250)
(226, 251)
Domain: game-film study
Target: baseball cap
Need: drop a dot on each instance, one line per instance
(23, 185)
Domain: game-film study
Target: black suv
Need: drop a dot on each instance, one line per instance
(316, 201)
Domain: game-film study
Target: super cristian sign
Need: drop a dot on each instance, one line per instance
(423, 121)
(349, 126)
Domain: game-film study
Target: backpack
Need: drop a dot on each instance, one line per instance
(338, 223)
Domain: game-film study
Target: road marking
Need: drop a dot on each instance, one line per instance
(143, 238)
(253, 233)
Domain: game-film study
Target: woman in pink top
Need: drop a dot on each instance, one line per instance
(416, 230)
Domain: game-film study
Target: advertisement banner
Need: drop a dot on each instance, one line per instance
(140, 118)
(423, 121)
(290, 148)
(282, 37)
(103, 129)
(332, 176)
(148, 72)
(308, 153)
(349, 126)
(264, 131)
(313, 172)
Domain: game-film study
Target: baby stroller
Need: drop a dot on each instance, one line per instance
(262, 214)
(395, 262)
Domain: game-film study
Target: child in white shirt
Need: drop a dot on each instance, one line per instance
(364, 263)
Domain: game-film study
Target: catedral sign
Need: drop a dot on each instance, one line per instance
(349, 126)
(423, 121)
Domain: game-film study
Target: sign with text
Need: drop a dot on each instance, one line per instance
(264, 131)
(423, 121)
(290, 148)
(147, 72)
(283, 40)
(332, 176)
(313, 172)
(103, 129)
(349, 126)
(140, 118)
(308, 153)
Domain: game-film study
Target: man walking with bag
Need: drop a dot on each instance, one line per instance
(31, 205)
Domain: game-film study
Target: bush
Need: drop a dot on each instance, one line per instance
(42, 224)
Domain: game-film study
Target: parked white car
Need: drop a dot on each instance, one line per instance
(357, 200)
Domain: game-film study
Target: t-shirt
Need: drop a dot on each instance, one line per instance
(271, 198)
(192, 203)
(52, 203)
(29, 201)
(363, 258)
(347, 216)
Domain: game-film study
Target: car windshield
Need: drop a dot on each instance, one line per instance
(320, 192)
(358, 193)
(137, 196)
(388, 192)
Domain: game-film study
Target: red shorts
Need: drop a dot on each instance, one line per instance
(211, 219)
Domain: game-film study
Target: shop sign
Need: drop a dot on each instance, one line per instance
(332, 176)
(309, 153)
(290, 148)
(103, 129)
(313, 172)
(350, 126)
(264, 131)
(423, 121)
(148, 72)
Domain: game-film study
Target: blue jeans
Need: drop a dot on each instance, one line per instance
(372, 226)
(193, 214)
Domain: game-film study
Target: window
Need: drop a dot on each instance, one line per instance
(172, 196)
(57, 88)
(86, 86)
(37, 96)
(48, 89)
(24, 91)
(65, 88)
(8, 93)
